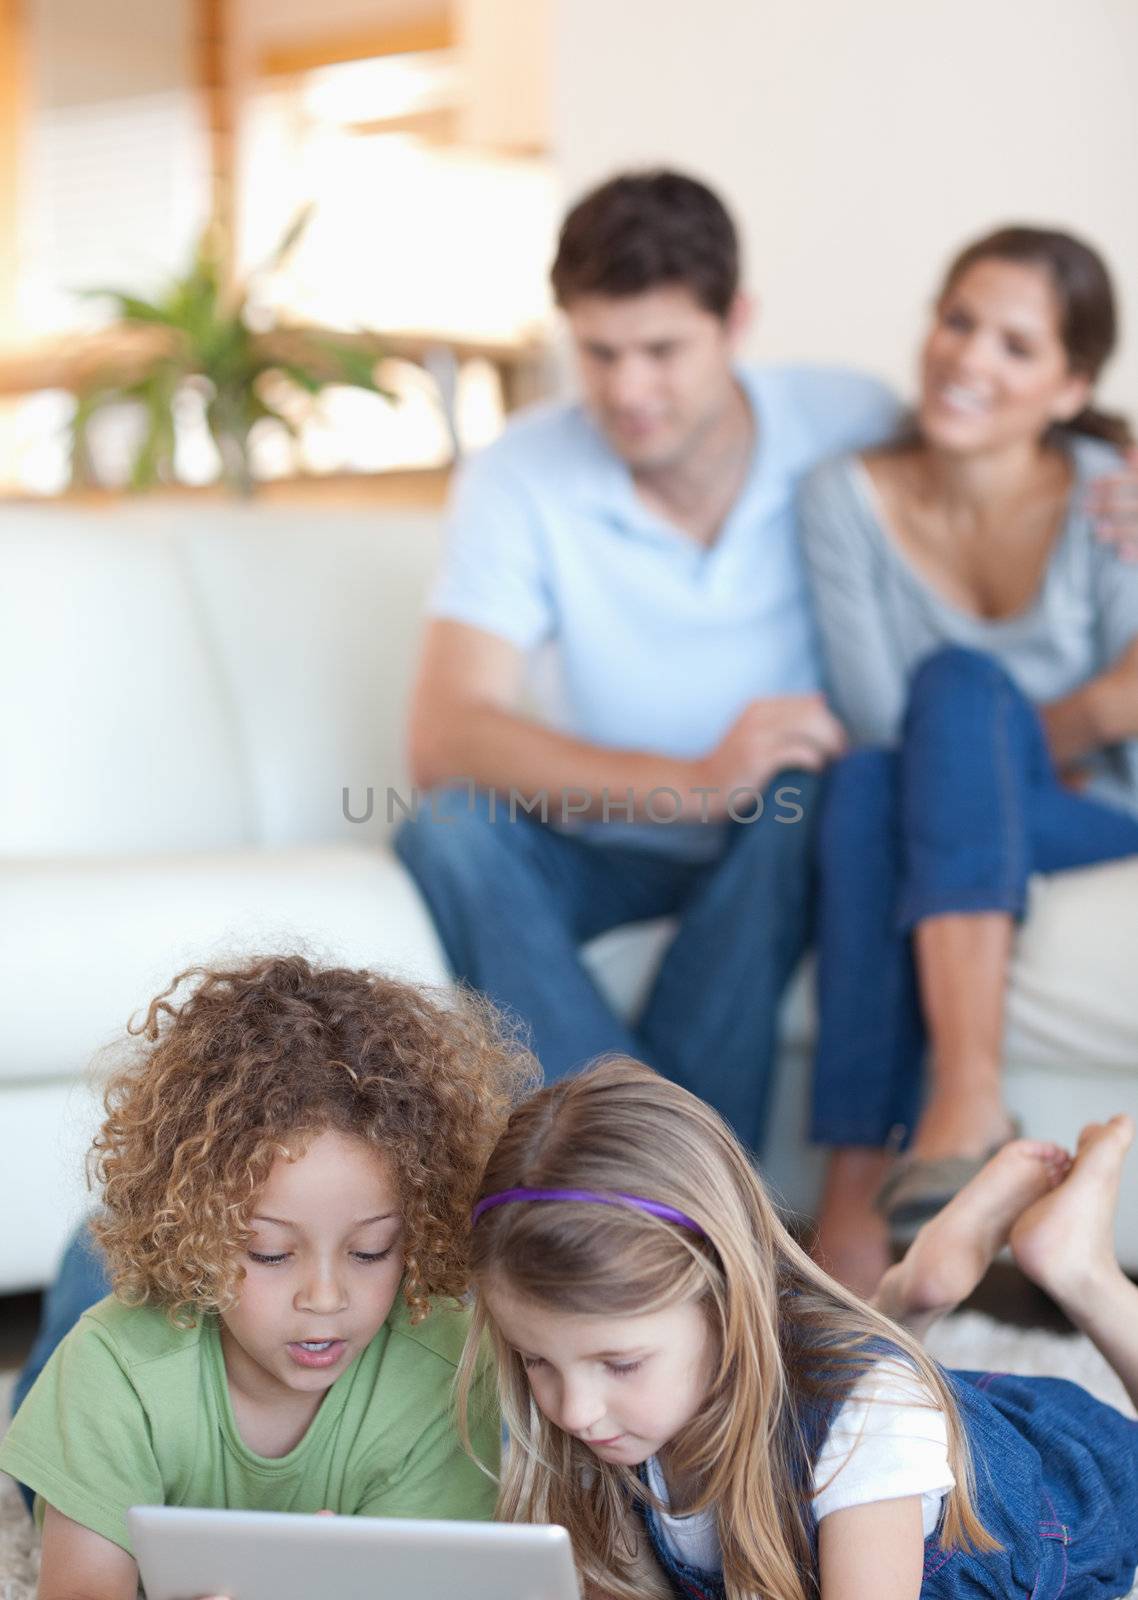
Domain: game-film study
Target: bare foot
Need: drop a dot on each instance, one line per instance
(962, 1124)
(950, 1255)
(1065, 1241)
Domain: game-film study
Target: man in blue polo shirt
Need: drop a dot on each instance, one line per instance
(620, 662)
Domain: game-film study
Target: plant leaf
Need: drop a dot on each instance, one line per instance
(265, 411)
(290, 239)
(300, 375)
(131, 307)
(155, 458)
(356, 366)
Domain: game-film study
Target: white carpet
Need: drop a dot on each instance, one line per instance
(19, 1553)
(970, 1341)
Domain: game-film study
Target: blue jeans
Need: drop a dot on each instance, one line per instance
(513, 902)
(1056, 1486)
(954, 820)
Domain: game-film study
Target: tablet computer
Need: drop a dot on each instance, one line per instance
(273, 1555)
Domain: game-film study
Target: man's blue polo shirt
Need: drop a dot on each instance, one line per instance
(640, 638)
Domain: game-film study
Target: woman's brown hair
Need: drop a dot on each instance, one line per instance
(237, 1065)
(791, 1342)
(1084, 296)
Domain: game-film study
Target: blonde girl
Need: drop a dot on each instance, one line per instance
(711, 1416)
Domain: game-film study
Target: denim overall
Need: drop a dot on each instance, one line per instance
(1056, 1483)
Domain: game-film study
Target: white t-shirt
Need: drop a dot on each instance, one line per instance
(889, 1440)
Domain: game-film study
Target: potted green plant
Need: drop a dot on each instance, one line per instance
(199, 332)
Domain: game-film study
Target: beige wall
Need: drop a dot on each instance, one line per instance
(859, 141)
(275, 22)
(97, 54)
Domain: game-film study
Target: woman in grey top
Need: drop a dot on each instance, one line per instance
(981, 645)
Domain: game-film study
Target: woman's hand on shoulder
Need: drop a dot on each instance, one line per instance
(873, 1552)
(79, 1564)
(1113, 504)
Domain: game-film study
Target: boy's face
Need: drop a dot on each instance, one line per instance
(322, 1270)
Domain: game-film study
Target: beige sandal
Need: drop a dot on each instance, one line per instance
(917, 1189)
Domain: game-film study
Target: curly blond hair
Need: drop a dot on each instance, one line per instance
(237, 1066)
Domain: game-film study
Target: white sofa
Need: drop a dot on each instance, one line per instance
(185, 692)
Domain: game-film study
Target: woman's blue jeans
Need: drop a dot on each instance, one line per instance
(956, 819)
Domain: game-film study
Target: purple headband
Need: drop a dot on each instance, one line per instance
(654, 1208)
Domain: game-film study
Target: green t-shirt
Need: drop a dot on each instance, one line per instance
(132, 1411)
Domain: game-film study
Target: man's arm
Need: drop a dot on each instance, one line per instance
(465, 725)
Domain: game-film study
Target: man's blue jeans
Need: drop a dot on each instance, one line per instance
(954, 820)
(514, 901)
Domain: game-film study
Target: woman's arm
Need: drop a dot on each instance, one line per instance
(1103, 711)
(872, 1552)
(866, 681)
(80, 1565)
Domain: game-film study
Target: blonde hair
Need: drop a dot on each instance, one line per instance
(791, 1341)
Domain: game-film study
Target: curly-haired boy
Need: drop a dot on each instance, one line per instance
(287, 1167)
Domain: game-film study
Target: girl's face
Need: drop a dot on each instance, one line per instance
(322, 1269)
(994, 369)
(625, 1386)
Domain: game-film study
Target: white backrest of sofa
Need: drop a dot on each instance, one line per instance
(316, 619)
(116, 732)
(202, 675)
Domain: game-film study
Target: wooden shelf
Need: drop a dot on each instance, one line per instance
(401, 489)
(72, 363)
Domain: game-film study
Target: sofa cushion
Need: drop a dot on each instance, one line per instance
(84, 944)
(1074, 985)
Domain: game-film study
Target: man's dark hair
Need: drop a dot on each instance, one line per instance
(645, 230)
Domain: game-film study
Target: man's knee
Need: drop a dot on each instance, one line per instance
(783, 826)
(456, 832)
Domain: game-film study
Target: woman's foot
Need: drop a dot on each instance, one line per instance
(852, 1241)
(950, 1255)
(1064, 1242)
